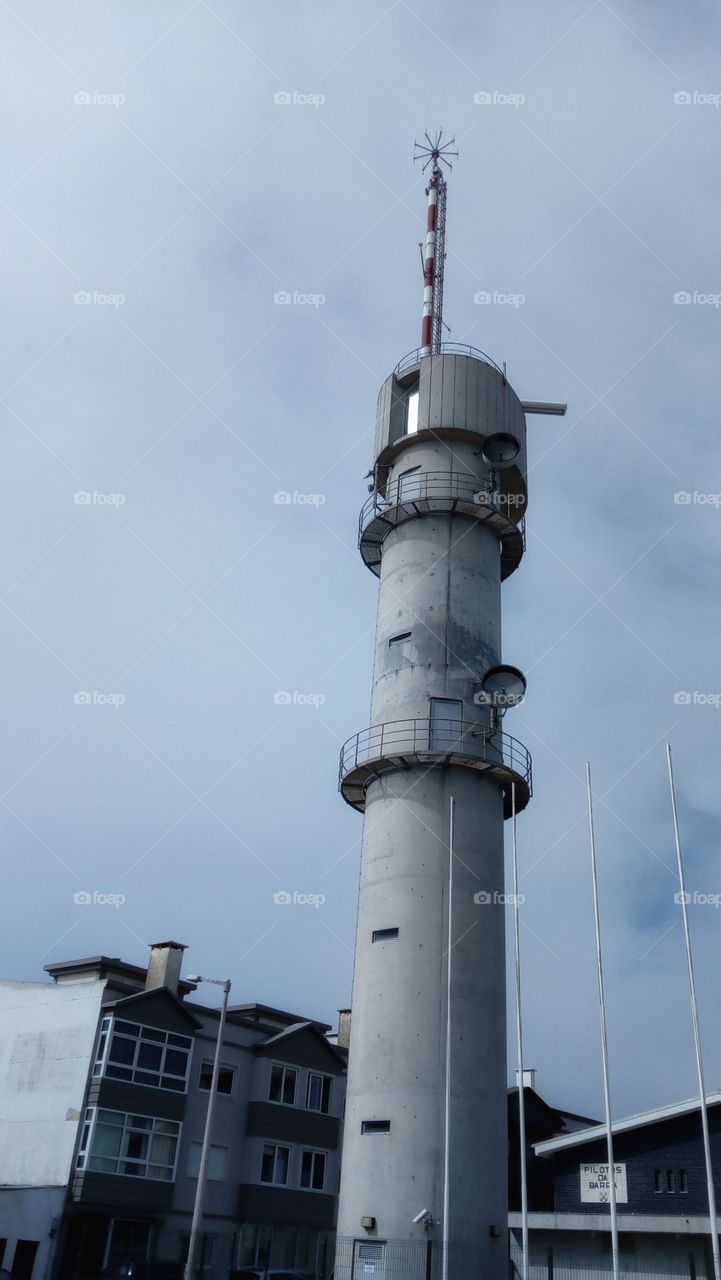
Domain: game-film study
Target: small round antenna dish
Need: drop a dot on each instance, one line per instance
(503, 687)
(501, 450)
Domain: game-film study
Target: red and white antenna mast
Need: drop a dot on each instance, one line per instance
(434, 153)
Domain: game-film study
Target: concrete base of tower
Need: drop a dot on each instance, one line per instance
(394, 1157)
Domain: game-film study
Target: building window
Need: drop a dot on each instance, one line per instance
(670, 1181)
(382, 935)
(312, 1170)
(402, 635)
(217, 1162)
(255, 1246)
(134, 1146)
(318, 1094)
(657, 1183)
(375, 1126)
(683, 1182)
(143, 1055)
(24, 1259)
(226, 1077)
(412, 413)
(274, 1166)
(283, 1081)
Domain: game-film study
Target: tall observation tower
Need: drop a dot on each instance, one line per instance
(423, 1188)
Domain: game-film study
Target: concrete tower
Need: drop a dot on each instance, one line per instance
(423, 1187)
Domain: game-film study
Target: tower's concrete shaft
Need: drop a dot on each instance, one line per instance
(442, 529)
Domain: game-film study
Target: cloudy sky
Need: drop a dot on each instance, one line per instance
(168, 169)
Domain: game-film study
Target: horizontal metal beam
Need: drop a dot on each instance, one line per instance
(542, 406)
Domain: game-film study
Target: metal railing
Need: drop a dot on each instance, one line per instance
(425, 736)
(447, 349)
(454, 486)
(409, 1259)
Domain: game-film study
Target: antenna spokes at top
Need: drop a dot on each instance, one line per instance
(434, 151)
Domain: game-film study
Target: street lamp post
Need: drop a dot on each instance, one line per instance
(205, 1151)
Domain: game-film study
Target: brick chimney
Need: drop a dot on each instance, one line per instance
(164, 965)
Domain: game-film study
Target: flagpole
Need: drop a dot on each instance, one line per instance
(604, 1038)
(696, 1030)
(447, 1127)
(519, 1043)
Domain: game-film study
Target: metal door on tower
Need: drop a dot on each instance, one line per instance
(446, 727)
(369, 1260)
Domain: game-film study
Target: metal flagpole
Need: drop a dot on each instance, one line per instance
(696, 1031)
(447, 1134)
(519, 1041)
(604, 1041)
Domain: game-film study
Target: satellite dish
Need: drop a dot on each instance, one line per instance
(503, 687)
(501, 450)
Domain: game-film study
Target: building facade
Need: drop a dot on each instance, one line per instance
(661, 1193)
(104, 1091)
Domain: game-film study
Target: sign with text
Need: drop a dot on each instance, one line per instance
(596, 1184)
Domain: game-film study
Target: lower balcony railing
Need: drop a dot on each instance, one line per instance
(405, 744)
(442, 492)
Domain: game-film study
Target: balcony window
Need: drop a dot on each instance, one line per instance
(226, 1077)
(312, 1170)
(283, 1082)
(130, 1145)
(143, 1055)
(318, 1094)
(217, 1162)
(274, 1165)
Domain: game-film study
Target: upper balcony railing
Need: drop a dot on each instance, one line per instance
(447, 349)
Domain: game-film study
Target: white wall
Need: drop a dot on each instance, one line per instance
(47, 1034)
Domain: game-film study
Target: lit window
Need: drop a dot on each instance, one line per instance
(134, 1146)
(274, 1165)
(412, 413)
(217, 1162)
(226, 1076)
(143, 1055)
(312, 1170)
(318, 1095)
(283, 1081)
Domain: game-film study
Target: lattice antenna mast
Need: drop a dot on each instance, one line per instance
(434, 153)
